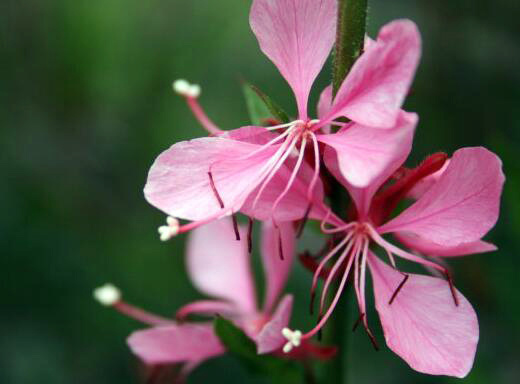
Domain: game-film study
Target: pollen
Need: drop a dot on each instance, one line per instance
(166, 232)
(184, 88)
(294, 339)
(107, 295)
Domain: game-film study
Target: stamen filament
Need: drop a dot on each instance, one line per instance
(332, 273)
(292, 177)
(201, 116)
(275, 168)
(324, 319)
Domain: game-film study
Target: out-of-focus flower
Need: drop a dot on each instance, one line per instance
(228, 280)
(267, 173)
(425, 320)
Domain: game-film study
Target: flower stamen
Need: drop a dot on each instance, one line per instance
(166, 232)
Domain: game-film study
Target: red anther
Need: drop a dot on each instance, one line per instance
(387, 199)
(250, 235)
(452, 287)
(372, 338)
(214, 188)
(398, 289)
(280, 245)
(235, 227)
(301, 226)
(358, 321)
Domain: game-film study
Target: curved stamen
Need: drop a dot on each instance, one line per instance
(399, 252)
(316, 174)
(326, 259)
(292, 177)
(295, 122)
(328, 281)
(266, 145)
(324, 319)
(275, 168)
(411, 257)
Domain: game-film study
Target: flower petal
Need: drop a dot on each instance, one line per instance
(324, 105)
(462, 206)
(362, 158)
(297, 35)
(276, 269)
(175, 343)
(178, 182)
(426, 183)
(270, 337)
(219, 266)
(429, 248)
(375, 88)
(423, 325)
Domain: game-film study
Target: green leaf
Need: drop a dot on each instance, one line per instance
(256, 107)
(255, 97)
(243, 348)
(234, 339)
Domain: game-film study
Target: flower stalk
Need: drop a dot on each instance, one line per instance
(350, 37)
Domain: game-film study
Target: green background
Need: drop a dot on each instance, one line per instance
(85, 106)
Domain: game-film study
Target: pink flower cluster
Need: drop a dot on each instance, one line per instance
(275, 174)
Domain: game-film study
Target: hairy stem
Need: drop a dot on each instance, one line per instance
(350, 37)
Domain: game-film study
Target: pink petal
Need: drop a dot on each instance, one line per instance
(206, 307)
(423, 325)
(462, 206)
(270, 337)
(297, 35)
(429, 248)
(362, 158)
(250, 134)
(376, 87)
(324, 105)
(422, 186)
(178, 182)
(276, 269)
(218, 264)
(175, 343)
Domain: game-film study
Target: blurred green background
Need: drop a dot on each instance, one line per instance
(85, 106)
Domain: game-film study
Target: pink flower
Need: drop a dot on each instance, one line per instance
(267, 173)
(228, 280)
(425, 320)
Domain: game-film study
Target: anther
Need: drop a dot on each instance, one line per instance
(107, 295)
(304, 221)
(398, 289)
(250, 235)
(166, 232)
(214, 189)
(358, 321)
(235, 226)
(184, 88)
(294, 339)
(452, 288)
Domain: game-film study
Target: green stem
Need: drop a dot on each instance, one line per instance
(350, 38)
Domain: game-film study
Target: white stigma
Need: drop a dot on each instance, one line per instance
(107, 295)
(184, 88)
(166, 232)
(294, 339)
